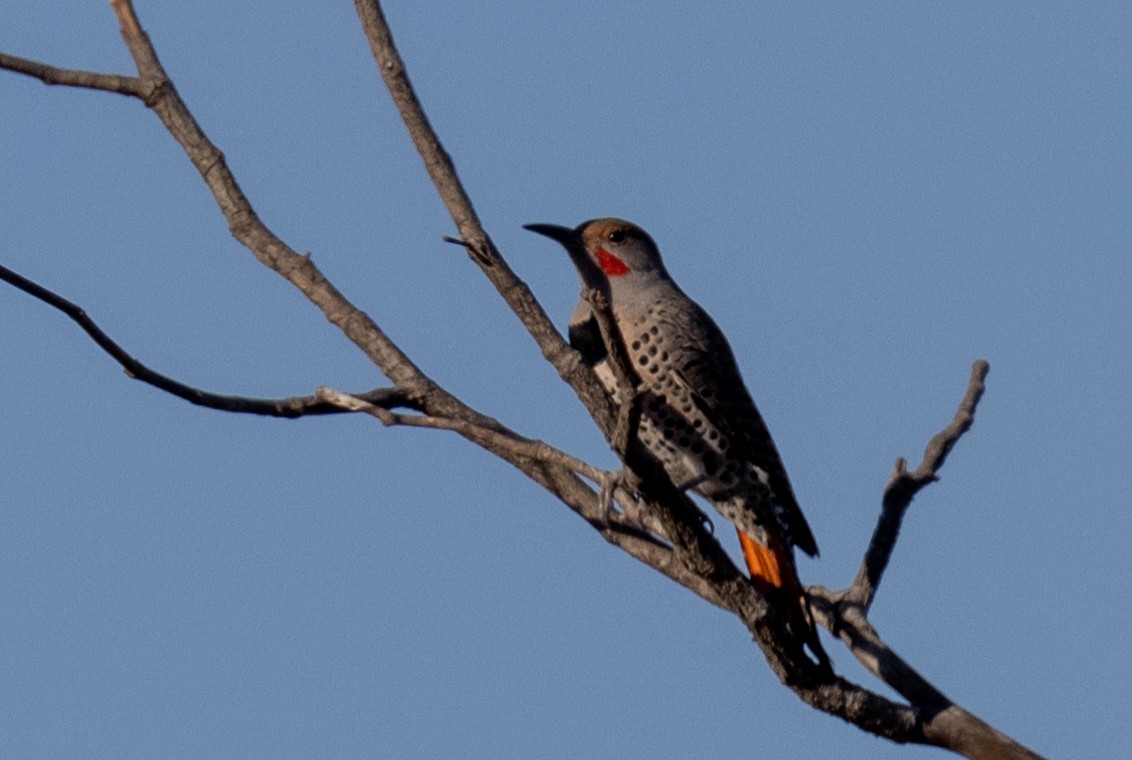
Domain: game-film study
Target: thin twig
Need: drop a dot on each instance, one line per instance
(53, 75)
(293, 406)
(903, 487)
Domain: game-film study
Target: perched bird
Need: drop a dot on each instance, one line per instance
(697, 418)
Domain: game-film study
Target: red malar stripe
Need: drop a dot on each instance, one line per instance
(610, 264)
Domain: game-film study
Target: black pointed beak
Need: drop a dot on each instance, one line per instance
(571, 240)
(563, 235)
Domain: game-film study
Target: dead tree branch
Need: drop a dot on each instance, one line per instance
(419, 391)
(473, 237)
(904, 485)
(293, 406)
(845, 613)
(52, 75)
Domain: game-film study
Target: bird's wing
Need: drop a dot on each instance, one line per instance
(585, 338)
(706, 366)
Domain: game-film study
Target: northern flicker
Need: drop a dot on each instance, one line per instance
(697, 418)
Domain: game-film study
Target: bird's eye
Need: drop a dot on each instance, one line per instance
(617, 236)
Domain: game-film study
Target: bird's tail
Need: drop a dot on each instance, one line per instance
(773, 574)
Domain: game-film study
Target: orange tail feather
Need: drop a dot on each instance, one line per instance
(765, 567)
(773, 574)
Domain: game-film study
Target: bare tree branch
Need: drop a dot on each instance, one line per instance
(845, 613)
(91, 80)
(631, 520)
(293, 406)
(246, 226)
(537, 450)
(903, 487)
(419, 391)
(946, 724)
(473, 237)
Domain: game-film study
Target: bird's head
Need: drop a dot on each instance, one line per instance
(609, 251)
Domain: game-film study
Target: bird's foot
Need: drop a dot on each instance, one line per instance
(606, 491)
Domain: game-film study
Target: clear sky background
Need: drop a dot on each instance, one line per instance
(867, 198)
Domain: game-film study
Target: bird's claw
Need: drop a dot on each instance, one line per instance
(608, 486)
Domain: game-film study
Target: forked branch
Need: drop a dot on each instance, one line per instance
(903, 486)
(412, 385)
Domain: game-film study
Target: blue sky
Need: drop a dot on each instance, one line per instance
(867, 199)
